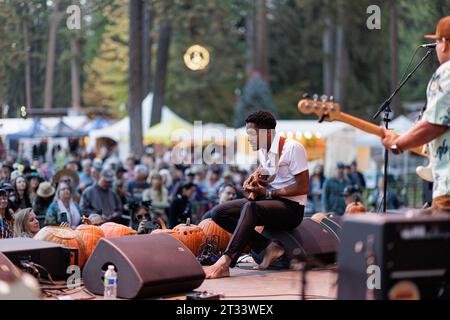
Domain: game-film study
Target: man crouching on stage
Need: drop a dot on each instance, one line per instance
(277, 196)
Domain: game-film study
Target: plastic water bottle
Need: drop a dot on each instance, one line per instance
(110, 283)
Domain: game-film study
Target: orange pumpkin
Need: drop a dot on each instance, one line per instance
(214, 231)
(112, 229)
(191, 235)
(355, 208)
(90, 235)
(66, 237)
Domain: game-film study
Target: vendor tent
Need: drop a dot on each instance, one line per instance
(37, 130)
(166, 132)
(62, 130)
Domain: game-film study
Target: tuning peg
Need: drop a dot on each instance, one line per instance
(331, 99)
(305, 95)
(324, 98)
(316, 97)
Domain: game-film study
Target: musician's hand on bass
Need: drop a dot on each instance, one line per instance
(389, 138)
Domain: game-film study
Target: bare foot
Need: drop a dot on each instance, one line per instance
(273, 252)
(221, 269)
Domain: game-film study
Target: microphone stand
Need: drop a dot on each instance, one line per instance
(386, 108)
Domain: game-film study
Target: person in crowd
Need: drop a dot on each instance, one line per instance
(332, 198)
(214, 183)
(137, 186)
(64, 208)
(86, 179)
(120, 171)
(34, 180)
(166, 178)
(5, 173)
(20, 198)
(121, 190)
(177, 180)
(96, 170)
(26, 225)
(130, 164)
(6, 216)
(352, 193)
(201, 181)
(180, 208)
(316, 182)
(239, 186)
(44, 198)
(357, 177)
(100, 199)
(147, 222)
(227, 193)
(73, 165)
(376, 198)
(190, 177)
(69, 176)
(157, 194)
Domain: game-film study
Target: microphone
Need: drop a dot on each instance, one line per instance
(428, 45)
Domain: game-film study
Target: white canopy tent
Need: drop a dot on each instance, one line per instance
(120, 131)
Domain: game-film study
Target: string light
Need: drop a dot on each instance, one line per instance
(196, 58)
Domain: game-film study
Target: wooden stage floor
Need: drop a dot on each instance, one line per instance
(248, 284)
(245, 284)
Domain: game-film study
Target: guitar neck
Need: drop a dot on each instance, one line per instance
(363, 125)
(371, 128)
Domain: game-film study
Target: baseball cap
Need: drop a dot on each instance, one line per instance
(351, 189)
(442, 30)
(108, 175)
(340, 165)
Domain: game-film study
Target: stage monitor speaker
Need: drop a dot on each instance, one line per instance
(48, 257)
(146, 266)
(394, 256)
(311, 239)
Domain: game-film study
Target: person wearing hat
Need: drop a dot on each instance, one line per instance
(352, 193)
(96, 170)
(44, 198)
(64, 209)
(34, 179)
(333, 187)
(100, 198)
(433, 128)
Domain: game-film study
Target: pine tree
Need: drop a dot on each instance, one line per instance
(256, 96)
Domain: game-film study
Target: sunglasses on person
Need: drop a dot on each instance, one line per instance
(139, 217)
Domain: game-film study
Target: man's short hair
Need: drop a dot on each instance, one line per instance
(262, 120)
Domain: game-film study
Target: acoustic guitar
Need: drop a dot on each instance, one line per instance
(328, 110)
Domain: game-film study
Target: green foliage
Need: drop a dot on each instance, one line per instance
(295, 53)
(256, 96)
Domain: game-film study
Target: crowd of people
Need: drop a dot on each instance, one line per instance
(130, 193)
(139, 190)
(330, 194)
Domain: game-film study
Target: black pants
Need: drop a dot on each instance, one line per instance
(240, 217)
